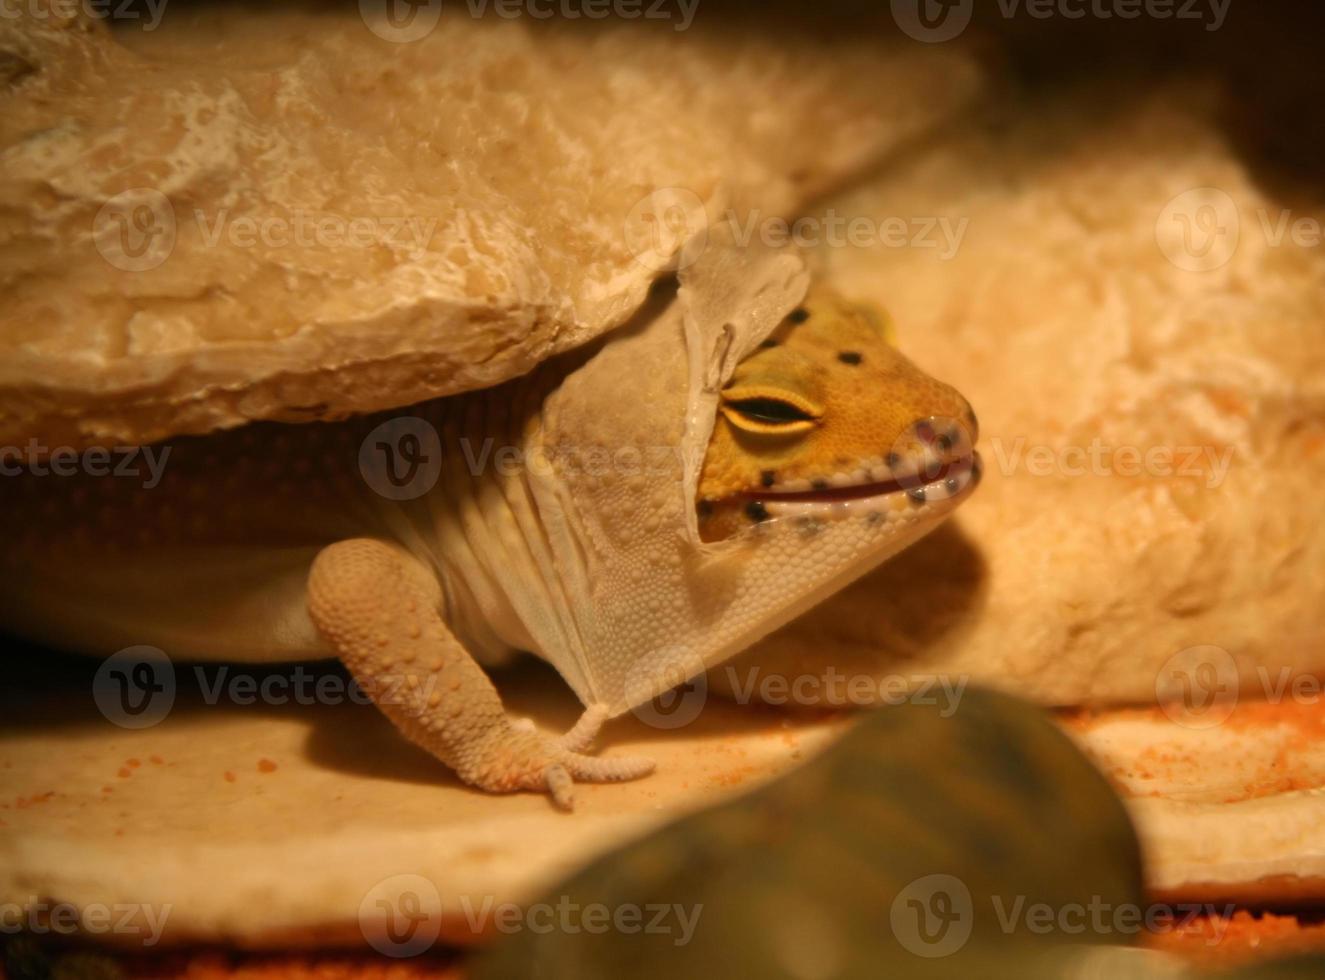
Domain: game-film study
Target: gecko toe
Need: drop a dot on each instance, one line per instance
(615, 770)
(581, 737)
(560, 786)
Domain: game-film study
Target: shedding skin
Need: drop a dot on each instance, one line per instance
(379, 608)
(826, 395)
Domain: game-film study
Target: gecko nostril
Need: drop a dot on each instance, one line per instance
(925, 431)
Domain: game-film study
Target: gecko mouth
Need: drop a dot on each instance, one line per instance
(936, 489)
(958, 471)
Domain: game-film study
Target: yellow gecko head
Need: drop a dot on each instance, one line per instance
(828, 420)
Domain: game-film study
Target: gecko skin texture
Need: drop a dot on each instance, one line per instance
(608, 512)
(378, 607)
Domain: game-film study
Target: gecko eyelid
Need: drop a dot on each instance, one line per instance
(770, 411)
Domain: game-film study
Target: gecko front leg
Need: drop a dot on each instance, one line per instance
(378, 607)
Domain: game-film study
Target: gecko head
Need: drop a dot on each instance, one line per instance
(827, 422)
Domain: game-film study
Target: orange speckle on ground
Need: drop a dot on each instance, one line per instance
(230, 777)
(1221, 941)
(234, 965)
(266, 765)
(156, 760)
(734, 777)
(133, 763)
(108, 789)
(125, 772)
(1295, 725)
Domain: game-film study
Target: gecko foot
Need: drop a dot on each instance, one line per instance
(560, 777)
(515, 760)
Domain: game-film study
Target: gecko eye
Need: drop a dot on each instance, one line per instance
(770, 416)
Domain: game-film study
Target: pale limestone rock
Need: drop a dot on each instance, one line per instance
(236, 217)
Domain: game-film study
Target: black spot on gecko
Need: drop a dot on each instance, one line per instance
(770, 342)
(799, 315)
(756, 511)
(819, 484)
(768, 478)
(850, 357)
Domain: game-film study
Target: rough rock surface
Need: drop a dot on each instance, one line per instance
(289, 216)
